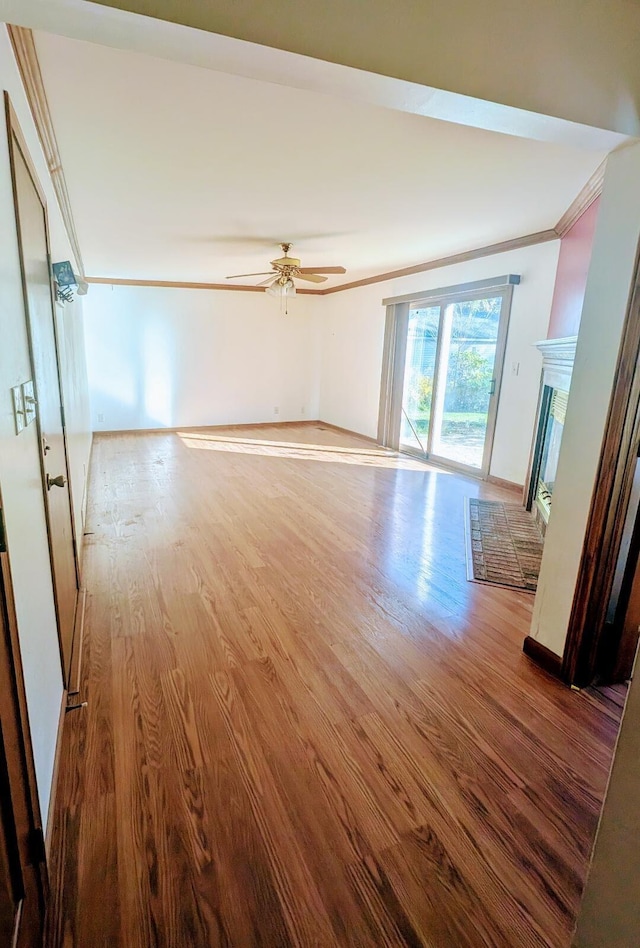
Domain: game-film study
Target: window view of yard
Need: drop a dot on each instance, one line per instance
(451, 398)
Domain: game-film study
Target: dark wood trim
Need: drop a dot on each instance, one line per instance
(620, 637)
(609, 505)
(542, 656)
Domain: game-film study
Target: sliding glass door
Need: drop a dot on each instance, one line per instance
(447, 383)
(419, 374)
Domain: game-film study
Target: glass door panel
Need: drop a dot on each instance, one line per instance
(465, 381)
(419, 376)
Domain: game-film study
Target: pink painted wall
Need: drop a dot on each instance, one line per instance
(571, 278)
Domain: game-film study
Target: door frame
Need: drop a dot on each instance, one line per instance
(18, 752)
(17, 141)
(587, 642)
(394, 358)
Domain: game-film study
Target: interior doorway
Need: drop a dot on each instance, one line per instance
(621, 633)
(33, 242)
(444, 356)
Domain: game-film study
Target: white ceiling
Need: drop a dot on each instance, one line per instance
(178, 172)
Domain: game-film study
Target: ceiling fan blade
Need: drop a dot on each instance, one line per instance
(321, 270)
(311, 277)
(272, 278)
(236, 276)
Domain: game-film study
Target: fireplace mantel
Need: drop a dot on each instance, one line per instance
(557, 361)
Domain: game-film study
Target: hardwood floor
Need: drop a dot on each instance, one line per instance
(304, 726)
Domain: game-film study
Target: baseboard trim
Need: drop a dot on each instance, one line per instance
(348, 431)
(234, 427)
(55, 777)
(508, 485)
(543, 656)
(306, 423)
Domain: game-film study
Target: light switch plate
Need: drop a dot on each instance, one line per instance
(29, 401)
(18, 407)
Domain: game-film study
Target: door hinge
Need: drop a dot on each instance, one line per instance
(37, 851)
(492, 387)
(3, 535)
(62, 418)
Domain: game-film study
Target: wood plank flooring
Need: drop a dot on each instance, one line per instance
(304, 726)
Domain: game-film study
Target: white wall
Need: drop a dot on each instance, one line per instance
(353, 337)
(20, 479)
(608, 285)
(165, 357)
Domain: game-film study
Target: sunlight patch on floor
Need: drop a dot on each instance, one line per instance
(305, 452)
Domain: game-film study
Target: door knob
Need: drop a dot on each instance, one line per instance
(58, 481)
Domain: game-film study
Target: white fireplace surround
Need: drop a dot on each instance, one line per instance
(557, 361)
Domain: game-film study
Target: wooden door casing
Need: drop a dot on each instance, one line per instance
(11, 888)
(39, 311)
(23, 871)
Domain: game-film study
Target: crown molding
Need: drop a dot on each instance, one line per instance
(24, 49)
(503, 246)
(181, 285)
(558, 350)
(558, 356)
(25, 52)
(586, 197)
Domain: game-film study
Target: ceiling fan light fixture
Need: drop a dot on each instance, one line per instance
(282, 287)
(279, 282)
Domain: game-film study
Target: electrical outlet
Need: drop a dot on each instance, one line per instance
(276, 409)
(100, 416)
(302, 410)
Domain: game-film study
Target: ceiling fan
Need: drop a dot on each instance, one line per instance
(284, 269)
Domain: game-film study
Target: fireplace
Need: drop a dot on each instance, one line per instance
(557, 366)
